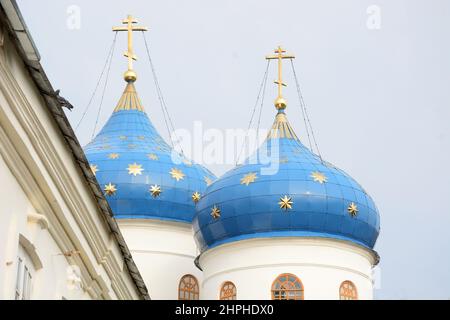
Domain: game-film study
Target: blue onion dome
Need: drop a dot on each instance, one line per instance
(295, 195)
(141, 175)
(285, 190)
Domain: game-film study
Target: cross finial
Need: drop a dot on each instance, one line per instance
(280, 102)
(130, 75)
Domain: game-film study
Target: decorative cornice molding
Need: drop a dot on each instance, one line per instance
(31, 250)
(190, 256)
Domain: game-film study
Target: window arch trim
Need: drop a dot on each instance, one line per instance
(291, 279)
(346, 295)
(190, 290)
(225, 295)
(30, 249)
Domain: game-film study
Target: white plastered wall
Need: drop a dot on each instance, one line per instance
(163, 251)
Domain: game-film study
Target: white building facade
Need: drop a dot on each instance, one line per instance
(57, 237)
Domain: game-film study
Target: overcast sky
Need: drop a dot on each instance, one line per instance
(376, 87)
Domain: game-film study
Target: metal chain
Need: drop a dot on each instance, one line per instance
(104, 90)
(262, 102)
(167, 119)
(98, 82)
(262, 87)
(305, 113)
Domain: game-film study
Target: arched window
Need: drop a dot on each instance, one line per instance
(287, 287)
(188, 288)
(348, 291)
(228, 291)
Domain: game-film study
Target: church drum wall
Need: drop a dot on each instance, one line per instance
(164, 252)
(321, 265)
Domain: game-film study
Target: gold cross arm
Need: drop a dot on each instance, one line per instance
(282, 83)
(280, 57)
(137, 28)
(129, 21)
(279, 54)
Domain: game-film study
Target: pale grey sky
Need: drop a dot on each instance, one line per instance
(378, 99)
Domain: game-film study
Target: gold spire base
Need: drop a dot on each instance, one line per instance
(282, 129)
(129, 100)
(130, 76)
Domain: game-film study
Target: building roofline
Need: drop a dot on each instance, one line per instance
(31, 58)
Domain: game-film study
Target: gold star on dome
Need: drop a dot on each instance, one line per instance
(94, 169)
(177, 174)
(319, 177)
(249, 178)
(113, 156)
(352, 209)
(123, 138)
(135, 169)
(155, 191)
(215, 212)
(286, 203)
(152, 156)
(141, 137)
(110, 189)
(208, 181)
(196, 197)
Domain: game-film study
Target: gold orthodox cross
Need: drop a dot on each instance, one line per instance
(280, 103)
(130, 27)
